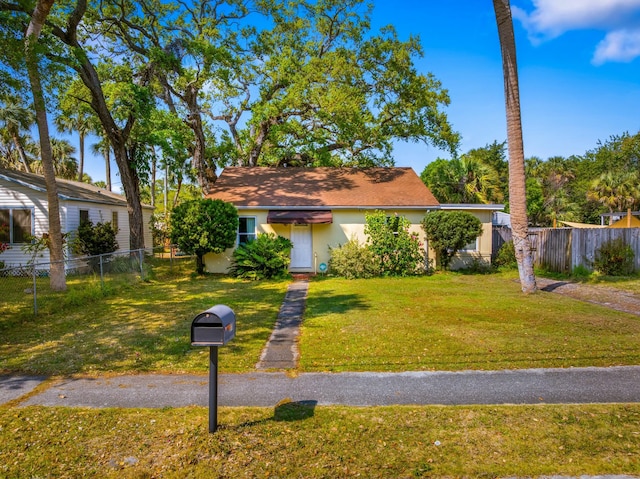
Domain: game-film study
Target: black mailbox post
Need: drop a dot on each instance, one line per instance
(214, 327)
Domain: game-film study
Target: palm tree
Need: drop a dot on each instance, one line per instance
(478, 183)
(57, 279)
(103, 147)
(16, 118)
(517, 190)
(64, 164)
(79, 121)
(616, 190)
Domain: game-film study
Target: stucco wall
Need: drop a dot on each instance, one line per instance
(347, 224)
(483, 243)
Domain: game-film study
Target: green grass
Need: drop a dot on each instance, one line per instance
(447, 321)
(441, 322)
(322, 442)
(457, 322)
(137, 326)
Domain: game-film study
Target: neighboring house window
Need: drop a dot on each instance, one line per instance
(246, 229)
(84, 216)
(114, 220)
(473, 246)
(18, 225)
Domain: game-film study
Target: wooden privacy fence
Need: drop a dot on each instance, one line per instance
(562, 249)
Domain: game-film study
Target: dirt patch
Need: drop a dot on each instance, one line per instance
(601, 295)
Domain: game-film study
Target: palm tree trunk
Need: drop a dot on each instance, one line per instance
(81, 166)
(56, 274)
(107, 161)
(21, 153)
(517, 193)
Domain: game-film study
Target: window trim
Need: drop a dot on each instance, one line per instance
(247, 234)
(31, 213)
(474, 250)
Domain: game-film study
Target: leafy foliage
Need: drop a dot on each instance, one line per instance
(204, 226)
(95, 239)
(614, 258)
(397, 250)
(353, 260)
(266, 257)
(450, 231)
(506, 257)
(478, 176)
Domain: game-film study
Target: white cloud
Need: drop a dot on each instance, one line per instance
(619, 18)
(618, 46)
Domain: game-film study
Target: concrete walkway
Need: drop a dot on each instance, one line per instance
(281, 351)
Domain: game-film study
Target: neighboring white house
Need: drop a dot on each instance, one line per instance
(24, 210)
(321, 208)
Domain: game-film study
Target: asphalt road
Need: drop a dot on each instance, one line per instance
(530, 386)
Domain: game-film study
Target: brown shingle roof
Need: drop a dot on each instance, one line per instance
(322, 187)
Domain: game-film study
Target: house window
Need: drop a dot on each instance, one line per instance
(246, 229)
(84, 216)
(15, 225)
(473, 246)
(114, 220)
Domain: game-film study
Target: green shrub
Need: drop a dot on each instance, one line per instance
(95, 240)
(477, 266)
(614, 258)
(450, 231)
(397, 250)
(204, 226)
(581, 272)
(353, 260)
(266, 257)
(506, 257)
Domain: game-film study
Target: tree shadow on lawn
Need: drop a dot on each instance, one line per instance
(140, 337)
(333, 302)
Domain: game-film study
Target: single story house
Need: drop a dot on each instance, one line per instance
(24, 211)
(319, 208)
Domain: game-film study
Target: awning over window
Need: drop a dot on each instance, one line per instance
(300, 217)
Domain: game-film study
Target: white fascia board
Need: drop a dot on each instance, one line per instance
(471, 206)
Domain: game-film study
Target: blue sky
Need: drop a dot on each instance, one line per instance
(579, 69)
(578, 61)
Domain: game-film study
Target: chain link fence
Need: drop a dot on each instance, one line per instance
(25, 289)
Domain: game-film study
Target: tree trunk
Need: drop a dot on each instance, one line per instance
(21, 153)
(56, 275)
(107, 162)
(131, 186)
(154, 163)
(517, 194)
(117, 136)
(81, 166)
(206, 175)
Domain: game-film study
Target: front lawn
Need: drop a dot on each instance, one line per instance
(297, 441)
(456, 322)
(442, 322)
(138, 327)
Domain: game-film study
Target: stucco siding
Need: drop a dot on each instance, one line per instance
(347, 224)
(482, 254)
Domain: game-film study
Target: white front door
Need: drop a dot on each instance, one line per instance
(302, 251)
